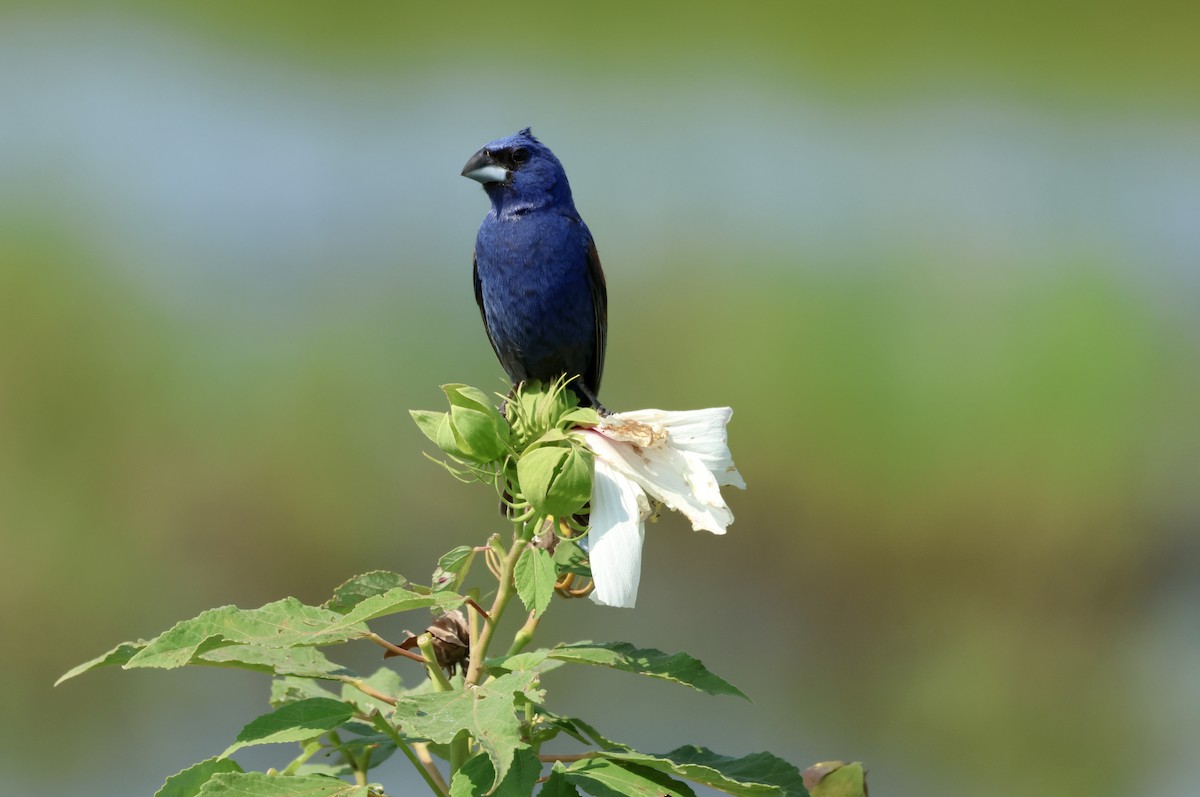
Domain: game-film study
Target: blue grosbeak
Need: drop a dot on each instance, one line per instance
(538, 280)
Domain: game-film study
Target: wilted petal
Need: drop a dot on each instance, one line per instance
(619, 508)
(680, 479)
(700, 432)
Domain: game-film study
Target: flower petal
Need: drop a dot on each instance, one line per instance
(680, 479)
(701, 432)
(619, 509)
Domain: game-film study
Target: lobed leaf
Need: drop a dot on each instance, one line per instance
(259, 784)
(188, 782)
(286, 623)
(487, 712)
(293, 722)
(678, 667)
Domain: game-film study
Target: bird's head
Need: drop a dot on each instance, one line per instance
(519, 172)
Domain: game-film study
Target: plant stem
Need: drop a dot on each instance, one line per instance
(440, 682)
(310, 750)
(504, 593)
(525, 635)
(429, 773)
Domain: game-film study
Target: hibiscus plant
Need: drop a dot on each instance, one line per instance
(471, 715)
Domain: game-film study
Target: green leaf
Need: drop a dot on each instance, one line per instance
(120, 655)
(836, 779)
(678, 667)
(605, 778)
(283, 624)
(293, 722)
(300, 662)
(535, 575)
(487, 712)
(476, 777)
(290, 690)
(570, 558)
(259, 784)
(556, 479)
(557, 785)
(552, 724)
(754, 768)
(188, 782)
(355, 590)
(452, 567)
(758, 775)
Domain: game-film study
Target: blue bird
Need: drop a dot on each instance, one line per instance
(538, 280)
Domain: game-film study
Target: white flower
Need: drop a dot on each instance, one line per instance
(679, 458)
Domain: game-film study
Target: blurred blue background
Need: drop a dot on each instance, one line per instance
(943, 264)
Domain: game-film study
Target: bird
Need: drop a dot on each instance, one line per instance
(538, 280)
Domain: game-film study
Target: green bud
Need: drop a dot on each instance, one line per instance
(556, 475)
(478, 431)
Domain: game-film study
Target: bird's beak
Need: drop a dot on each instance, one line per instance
(483, 167)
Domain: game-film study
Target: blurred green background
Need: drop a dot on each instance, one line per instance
(943, 263)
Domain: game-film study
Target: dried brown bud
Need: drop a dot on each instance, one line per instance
(451, 641)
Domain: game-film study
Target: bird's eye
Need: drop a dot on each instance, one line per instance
(520, 155)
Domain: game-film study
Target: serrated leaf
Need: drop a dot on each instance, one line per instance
(399, 599)
(487, 712)
(290, 690)
(678, 667)
(604, 778)
(476, 776)
(535, 575)
(451, 568)
(293, 722)
(299, 662)
(743, 777)
(188, 782)
(754, 768)
(355, 590)
(557, 785)
(259, 784)
(282, 624)
(286, 623)
(119, 655)
(552, 724)
(570, 558)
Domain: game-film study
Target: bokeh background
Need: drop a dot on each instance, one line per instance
(943, 263)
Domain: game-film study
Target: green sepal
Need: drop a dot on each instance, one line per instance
(556, 478)
(480, 432)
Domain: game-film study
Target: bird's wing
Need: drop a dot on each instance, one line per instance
(599, 292)
(479, 301)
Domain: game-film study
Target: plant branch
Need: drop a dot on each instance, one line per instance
(433, 778)
(362, 686)
(504, 593)
(394, 649)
